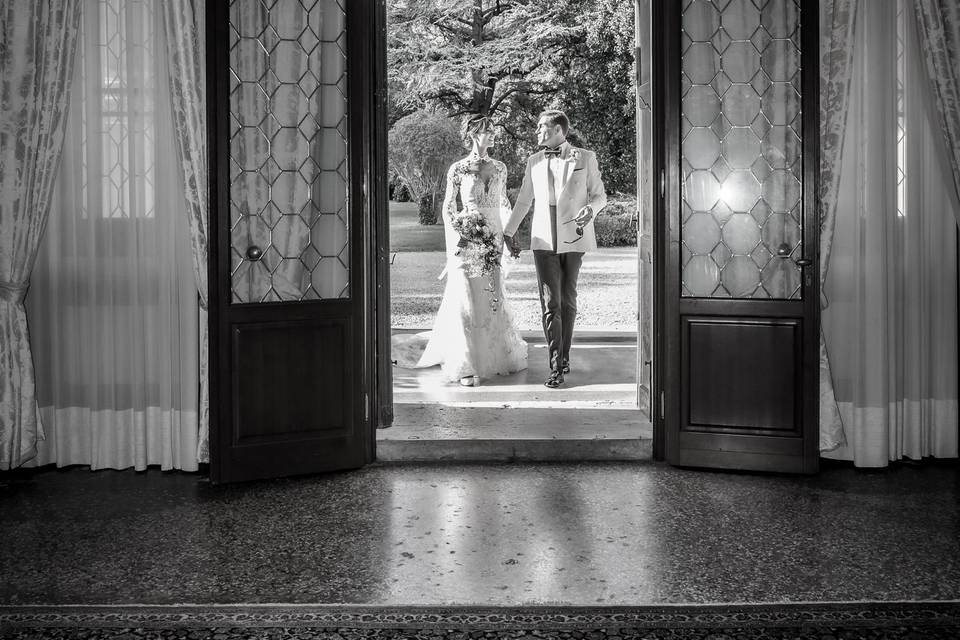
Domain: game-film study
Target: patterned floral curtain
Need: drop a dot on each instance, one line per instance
(184, 26)
(939, 26)
(38, 42)
(838, 22)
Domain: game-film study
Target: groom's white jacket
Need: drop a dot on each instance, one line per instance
(580, 185)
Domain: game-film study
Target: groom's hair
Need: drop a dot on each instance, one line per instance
(556, 117)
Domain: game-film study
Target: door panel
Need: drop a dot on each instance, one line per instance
(289, 308)
(755, 349)
(740, 286)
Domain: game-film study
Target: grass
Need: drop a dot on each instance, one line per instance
(607, 289)
(406, 232)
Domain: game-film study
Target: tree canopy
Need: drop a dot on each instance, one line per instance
(471, 56)
(511, 59)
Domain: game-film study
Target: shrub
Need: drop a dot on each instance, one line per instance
(422, 146)
(614, 231)
(616, 225)
(428, 208)
(398, 190)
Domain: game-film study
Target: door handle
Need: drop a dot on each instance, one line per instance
(254, 253)
(783, 251)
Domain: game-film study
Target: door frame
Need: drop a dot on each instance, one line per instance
(662, 67)
(380, 225)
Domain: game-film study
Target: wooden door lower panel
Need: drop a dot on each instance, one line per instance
(293, 386)
(742, 393)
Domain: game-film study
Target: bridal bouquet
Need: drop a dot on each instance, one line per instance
(478, 242)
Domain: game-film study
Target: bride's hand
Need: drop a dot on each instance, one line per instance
(513, 245)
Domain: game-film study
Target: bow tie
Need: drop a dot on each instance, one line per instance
(549, 153)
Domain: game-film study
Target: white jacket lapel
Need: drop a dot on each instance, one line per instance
(542, 169)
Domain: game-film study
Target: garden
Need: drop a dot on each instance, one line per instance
(510, 60)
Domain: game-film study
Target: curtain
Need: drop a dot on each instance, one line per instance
(838, 24)
(939, 30)
(892, 320)
(114, 301)
(183, 22)
(37, 52)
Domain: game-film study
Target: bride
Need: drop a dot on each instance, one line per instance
(474, 334)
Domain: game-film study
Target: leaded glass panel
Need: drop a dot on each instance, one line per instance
(741, 155)
(288, 151)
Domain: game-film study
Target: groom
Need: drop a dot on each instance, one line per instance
(564, 183)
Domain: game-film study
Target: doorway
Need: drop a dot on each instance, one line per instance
(604, 403)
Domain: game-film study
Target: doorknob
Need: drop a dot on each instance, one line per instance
(783, 251)
(254, 253)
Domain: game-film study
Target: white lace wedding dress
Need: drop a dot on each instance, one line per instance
(474, 333)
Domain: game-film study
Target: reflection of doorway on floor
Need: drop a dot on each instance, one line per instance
(593, 416)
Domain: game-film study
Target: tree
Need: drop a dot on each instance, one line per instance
(598, 86)
(474, 56)
(422, 146)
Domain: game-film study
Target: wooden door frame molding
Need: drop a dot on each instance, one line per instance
(666, 127)
(381, 363)
(217, 91)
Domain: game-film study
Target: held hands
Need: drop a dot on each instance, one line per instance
(513, 244)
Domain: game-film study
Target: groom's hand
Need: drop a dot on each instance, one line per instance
(513, 245)
(584, 216)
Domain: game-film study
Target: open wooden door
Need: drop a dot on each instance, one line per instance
(737, 92)
(292, 120)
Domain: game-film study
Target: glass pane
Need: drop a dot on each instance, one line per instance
(288, 151)
(741, 149)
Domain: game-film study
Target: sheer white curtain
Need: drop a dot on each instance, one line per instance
(113, 301)
(891, 325)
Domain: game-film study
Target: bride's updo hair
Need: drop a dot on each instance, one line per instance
(474, 124)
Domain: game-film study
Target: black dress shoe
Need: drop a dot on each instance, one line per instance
(565, 367)
(555, 379)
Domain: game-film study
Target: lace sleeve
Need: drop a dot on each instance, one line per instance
(450, 197)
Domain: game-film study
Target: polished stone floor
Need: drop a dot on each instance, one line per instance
(488, 534)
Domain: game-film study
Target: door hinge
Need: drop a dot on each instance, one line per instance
(661, 405)
(663, 183)
(366, 407)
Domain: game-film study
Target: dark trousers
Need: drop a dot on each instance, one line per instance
(557, 281)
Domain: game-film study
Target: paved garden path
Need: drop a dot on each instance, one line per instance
(607, 290)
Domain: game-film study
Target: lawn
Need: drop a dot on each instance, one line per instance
(607, 288)
(406, 232)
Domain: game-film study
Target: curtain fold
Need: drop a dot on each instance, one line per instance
(892, 320)
(113, 305)
(939, 31)
(838, 27)
(183, 23)
(37, 53)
